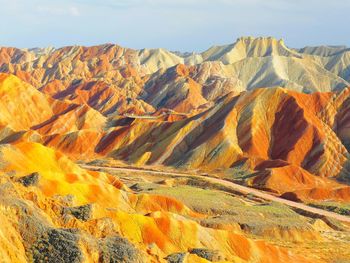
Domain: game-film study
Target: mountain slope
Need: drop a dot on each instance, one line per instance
(252, 61)
(254, 112)
(40, 211)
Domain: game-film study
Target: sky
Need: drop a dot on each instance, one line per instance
(183, 25)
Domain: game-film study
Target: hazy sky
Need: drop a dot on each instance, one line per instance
(186, 25)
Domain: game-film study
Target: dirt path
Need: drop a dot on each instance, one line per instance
(239, 188)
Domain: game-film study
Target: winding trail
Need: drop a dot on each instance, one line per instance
(236, 187)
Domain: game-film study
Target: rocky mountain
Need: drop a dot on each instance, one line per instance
(257, 113)
(204, 111)
(247, 64)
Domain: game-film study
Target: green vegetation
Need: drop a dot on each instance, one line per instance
(238, 173)
(227, 208)
(336, 207)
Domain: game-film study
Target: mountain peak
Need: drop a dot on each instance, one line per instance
(250, 39)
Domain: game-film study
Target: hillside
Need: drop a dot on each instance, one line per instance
(110, 154)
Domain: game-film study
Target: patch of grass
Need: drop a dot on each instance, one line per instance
(336, 207)
(217, 203)
(201, 200)
(96, 162)
(239, 172)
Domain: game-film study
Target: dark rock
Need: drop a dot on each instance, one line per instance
(57, 246)
(12, 137)
(208, 254)
(28, 180)
(83, 212)
(118, 250)
(291, 196)
(176, 258)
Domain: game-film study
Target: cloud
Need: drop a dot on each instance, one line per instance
(74, 11)
(58, 10)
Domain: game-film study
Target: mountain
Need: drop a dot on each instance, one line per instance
(209, 113)
(113, 63)
(23, 107)
(108, 154)
(265, 130)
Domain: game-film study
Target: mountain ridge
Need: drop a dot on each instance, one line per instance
(256, 113)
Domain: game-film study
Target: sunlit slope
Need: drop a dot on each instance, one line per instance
(144, 220)
(23, 107)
